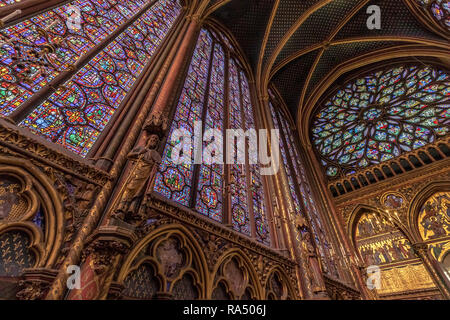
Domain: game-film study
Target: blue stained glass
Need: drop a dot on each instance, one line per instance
(405, 101)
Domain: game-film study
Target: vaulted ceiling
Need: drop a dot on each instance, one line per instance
(296, 44)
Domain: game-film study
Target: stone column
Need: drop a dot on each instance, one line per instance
(102, 255)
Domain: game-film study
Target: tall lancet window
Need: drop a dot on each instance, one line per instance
(111, 46)
(217, 93)
(300, 188)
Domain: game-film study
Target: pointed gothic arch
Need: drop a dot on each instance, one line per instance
(34, 200)
(243, 267)
(177, 259)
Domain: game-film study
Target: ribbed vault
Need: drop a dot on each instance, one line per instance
(297, 44)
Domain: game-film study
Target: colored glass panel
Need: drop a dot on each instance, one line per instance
(381, 116)
(6, 2)
(175, 181)
(209, 191)
(440, 9)
(206, 86)
(296, 175)
(98, 19)
(75, 115)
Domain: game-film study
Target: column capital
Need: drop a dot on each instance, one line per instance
(264, 98)
(194, 18)
(35, 283)
(420, 248)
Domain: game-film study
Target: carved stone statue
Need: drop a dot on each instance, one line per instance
(145, 160)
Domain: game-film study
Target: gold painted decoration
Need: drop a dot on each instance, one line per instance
(439, 249)
(434, 217)
(12, 204)
(15, 254)
(380, 243)
(393, 200)
(411, 277)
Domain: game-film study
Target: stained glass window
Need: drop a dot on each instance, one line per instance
(300, 188)
(256, 184)
(201, 186)
(380, 116)
(99, 18)
(175, 182)
(209, 190)
(74, 116)
(440, 9)
(6, 2)
(239, 196)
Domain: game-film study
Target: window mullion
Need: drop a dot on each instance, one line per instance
(227, 208)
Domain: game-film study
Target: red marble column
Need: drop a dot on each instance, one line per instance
(169, 86)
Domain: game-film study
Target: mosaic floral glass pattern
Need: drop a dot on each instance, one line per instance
(381, 116)
(99, 18)
(175, 182)
(440, 9)
(75, 116)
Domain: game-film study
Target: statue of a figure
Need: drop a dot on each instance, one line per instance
(145, 159)
(313, 262)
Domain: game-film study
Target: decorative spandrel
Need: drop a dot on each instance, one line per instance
(434, 217)
(12, 204)
(76, 114)
(380, 116)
